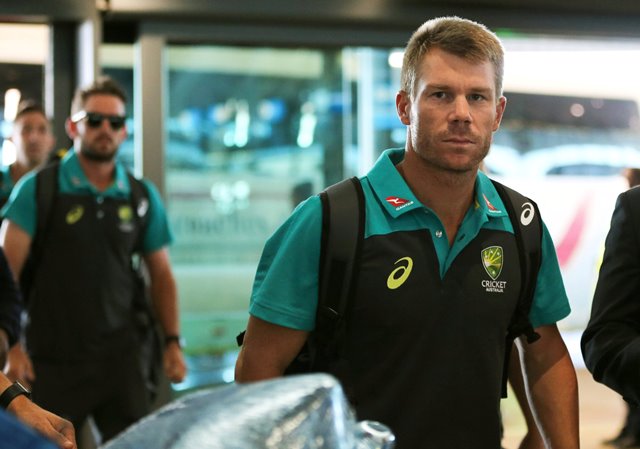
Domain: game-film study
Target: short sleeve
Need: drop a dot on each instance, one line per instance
(550, 303)
(285, 289)
(21, 207)
(158, 233)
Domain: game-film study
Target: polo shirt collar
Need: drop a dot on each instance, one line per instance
(389, 186)
(397, 198)
(72, 171)
(487, 198)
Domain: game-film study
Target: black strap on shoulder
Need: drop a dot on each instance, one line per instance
(527, 226)
(343, 215)
(343, 221)
(139, 200)
(46, 190)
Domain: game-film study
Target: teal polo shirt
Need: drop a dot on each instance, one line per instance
(285, 289)
(21, 208)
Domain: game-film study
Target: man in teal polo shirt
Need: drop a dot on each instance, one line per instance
(425, 349)
(81, 334)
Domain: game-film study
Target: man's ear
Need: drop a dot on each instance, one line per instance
(403, 107)
(71, 128)
(500, 107)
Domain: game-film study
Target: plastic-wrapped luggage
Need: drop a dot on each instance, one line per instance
(294, 412)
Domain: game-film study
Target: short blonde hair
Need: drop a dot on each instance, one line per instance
(461, 37)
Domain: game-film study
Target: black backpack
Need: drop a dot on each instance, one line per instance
(144, 318)
(343, 218)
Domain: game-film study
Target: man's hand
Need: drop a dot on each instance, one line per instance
(173, 361)
(58, 430)
(19, 366)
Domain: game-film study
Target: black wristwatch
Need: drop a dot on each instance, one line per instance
(11, 393)
(173, 339)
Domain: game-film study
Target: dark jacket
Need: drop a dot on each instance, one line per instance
(611, 341)
(10, 305)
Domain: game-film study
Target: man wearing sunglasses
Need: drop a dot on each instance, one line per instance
(81, 335)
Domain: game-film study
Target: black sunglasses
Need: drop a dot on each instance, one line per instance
(94, 119)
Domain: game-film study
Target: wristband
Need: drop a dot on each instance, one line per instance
(11, 393)
(173, 339)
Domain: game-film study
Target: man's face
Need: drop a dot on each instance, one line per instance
(453, 113)
(99, 140)
(32, 137)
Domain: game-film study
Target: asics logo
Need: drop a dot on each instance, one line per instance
(400, 274)
(528, 212)
(74, 214)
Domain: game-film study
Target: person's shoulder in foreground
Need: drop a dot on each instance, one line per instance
(611, 341)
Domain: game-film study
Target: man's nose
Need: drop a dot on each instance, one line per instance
(461, 111)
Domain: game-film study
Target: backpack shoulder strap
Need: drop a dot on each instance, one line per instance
(139, 200)
(527, 227)
(343, 219)
(46, 191)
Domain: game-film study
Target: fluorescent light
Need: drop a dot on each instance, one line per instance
(11, 101)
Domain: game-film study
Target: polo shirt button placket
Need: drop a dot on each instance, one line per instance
(100, 213)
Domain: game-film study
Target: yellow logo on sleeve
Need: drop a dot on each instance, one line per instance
(400, 274)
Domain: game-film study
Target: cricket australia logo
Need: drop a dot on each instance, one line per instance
(492, 261)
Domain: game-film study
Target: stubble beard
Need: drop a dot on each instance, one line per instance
(92, 153)
(428, 150)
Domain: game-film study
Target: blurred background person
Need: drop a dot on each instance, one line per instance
(81, 335)
(33, 140)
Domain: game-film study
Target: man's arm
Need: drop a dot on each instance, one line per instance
(16, 244)
(552, 387)
(532, 439)
(59, 430)
(267, 350)
(165, 300)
